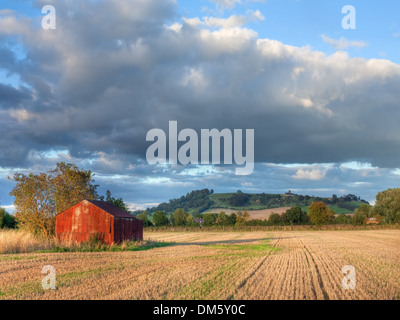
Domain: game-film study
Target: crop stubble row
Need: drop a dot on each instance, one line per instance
(307, 265)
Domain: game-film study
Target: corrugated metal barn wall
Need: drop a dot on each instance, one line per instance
(92, 218)
(82, 222)
(125, 228)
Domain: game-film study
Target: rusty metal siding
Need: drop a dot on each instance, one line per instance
(138, 227)
(87, 219)
(127, 229)
(84, 221)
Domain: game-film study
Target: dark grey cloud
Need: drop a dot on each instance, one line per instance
(115, 69)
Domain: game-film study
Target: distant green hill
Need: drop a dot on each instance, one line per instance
(199, 201)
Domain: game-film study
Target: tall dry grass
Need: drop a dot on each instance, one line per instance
(18, 241)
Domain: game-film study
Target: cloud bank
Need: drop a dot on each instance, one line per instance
(91, 90)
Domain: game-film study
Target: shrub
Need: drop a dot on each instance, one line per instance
(160, 219)
(275, 219)
(320, 213)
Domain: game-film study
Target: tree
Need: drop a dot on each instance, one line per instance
(232, 219)
(222, 219)
(6, 220)
(3, 213)
(116, 202)
(160, 219)
(320, 213)
(39, 197)
(388, 205)
(143, 216)
(180, 217)
(362, 213)
(275, 219)
(295, 216)
(71, 185)
(190, 220)
(343, 219)
(209, 219)
(241, 218)
(35, 207)
(238, 199)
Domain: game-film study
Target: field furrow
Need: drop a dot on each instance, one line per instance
(301, 265)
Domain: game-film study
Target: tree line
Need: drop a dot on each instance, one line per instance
(386, 210)
(240, 199)
(40, 197)
(319, 213)
(197, 200)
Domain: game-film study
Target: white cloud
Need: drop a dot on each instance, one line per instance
(230, 4)
(10, 208)
(310, 174)
(343, 43)
(141, 206)
(355, 165)
(234, 20)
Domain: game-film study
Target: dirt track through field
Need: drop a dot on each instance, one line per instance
(303, 265)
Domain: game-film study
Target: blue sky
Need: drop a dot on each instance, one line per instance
(303, 22)
(323, 101)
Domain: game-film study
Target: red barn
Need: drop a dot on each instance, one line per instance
(92, 218)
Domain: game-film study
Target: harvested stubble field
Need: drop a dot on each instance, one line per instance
(216, 265)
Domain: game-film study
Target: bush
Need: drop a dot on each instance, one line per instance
(275, 220)
(388, 205)
(145, 219)
(209, 219)
(7, 220)
(362, 213)
(180, 218)
(343, 219)
(320, 214)
(295, 216)
(160, 219)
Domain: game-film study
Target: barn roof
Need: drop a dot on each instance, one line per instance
(111, 209)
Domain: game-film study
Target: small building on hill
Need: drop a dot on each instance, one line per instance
(92, 218)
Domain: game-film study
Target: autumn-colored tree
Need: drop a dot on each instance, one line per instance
(71, 185)
(241, 218)
(320, 213)
(40, 197)
(35, 208)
